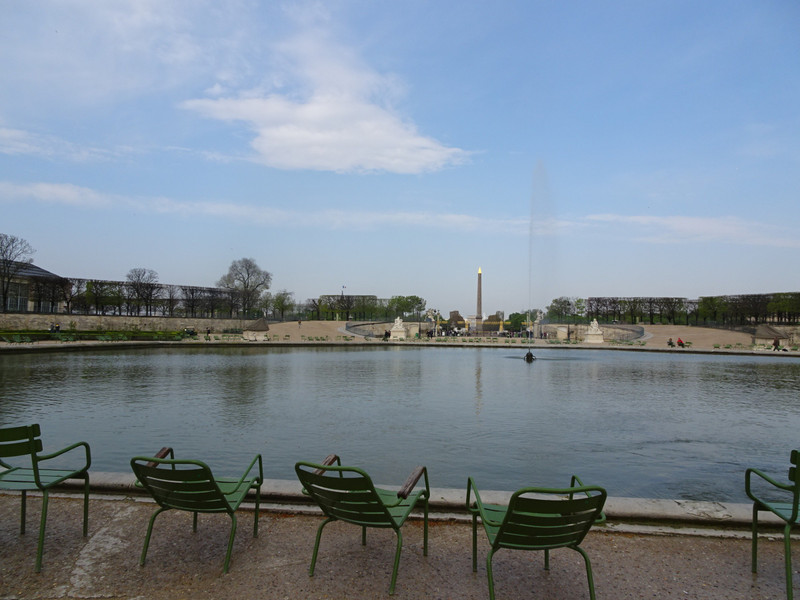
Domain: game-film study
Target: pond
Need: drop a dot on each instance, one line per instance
(641, 424)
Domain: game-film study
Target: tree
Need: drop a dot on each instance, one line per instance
(144, 288)
(313, 306)
(171, 299)
(282, 301)
(73, 289)
(98, 292)
(192, 299)
(416, 305)
(560, 308)
(15, 254)
(345, 304)
(401, 306)
(518, 321)
(245, 277)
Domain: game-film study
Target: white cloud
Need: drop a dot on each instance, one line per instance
(329, 112)
(93, 53)
(20, 142)
(82, 197)
(54, 193)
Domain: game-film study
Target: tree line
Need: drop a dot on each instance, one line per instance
(242, 292)
(737, 310)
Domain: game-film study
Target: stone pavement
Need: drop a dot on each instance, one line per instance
(673, 559)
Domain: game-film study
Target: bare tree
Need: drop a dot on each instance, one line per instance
(172, 299)
(46, 293)
(97, 293)
(313, 305)
(71, 291)
(245, 277)
(15, 254)
(212, 301)
(144, 288)
(192, 299)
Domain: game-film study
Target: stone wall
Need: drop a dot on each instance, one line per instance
(42, 322)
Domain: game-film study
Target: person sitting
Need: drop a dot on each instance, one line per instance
(670, 343)
(680, 343)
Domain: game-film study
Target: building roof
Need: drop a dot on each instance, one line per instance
(31, 271)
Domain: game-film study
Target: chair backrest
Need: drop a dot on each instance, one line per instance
(541, 519)
(344, 493)
(794, 458)
(180, 484)
(794, 477)
(19, 441)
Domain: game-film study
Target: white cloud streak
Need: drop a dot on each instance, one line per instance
(20, 142)
(331, 112)
(682, 229)
(80, 197)
(636, 228)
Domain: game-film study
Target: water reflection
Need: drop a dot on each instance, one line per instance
(642, 424)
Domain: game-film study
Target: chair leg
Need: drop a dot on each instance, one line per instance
(227, 563)
(754, 542)
(787, 548)
(363, 536)
(547, 559)
(258, 501)
(396, 560)
(425, 529)
(194, 522)
(42, 525)
(474, 543)
(149, 533)
(86, 505)
(316, 546)
(489, 575)
(22, 512)
(588, 570)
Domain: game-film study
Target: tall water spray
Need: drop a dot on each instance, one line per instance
(540, 241)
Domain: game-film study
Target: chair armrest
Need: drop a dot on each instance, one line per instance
(327, 462)
(577, 480)
(256, 458)
(411, 482)
(478, 509)
(163, 453)
(42, 457)
(748, 489)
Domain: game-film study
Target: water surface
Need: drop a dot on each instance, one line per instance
(641, 424)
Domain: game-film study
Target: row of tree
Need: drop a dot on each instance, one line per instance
(739, 310)
(243, 292)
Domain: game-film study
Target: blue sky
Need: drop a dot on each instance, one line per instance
(566, 148)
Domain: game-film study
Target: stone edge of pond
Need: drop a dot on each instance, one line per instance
(448, 504)
(38, 347)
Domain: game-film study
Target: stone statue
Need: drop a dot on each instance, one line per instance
(594, 335)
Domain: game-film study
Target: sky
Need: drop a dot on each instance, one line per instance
(620, 148)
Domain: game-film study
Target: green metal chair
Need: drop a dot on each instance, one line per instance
(348, 494)
(786, 511)
(26, 441)
(189, 485)
(537, 519)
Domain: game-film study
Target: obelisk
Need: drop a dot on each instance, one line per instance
(479, 312)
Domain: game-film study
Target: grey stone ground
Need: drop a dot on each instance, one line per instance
(628, 563)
